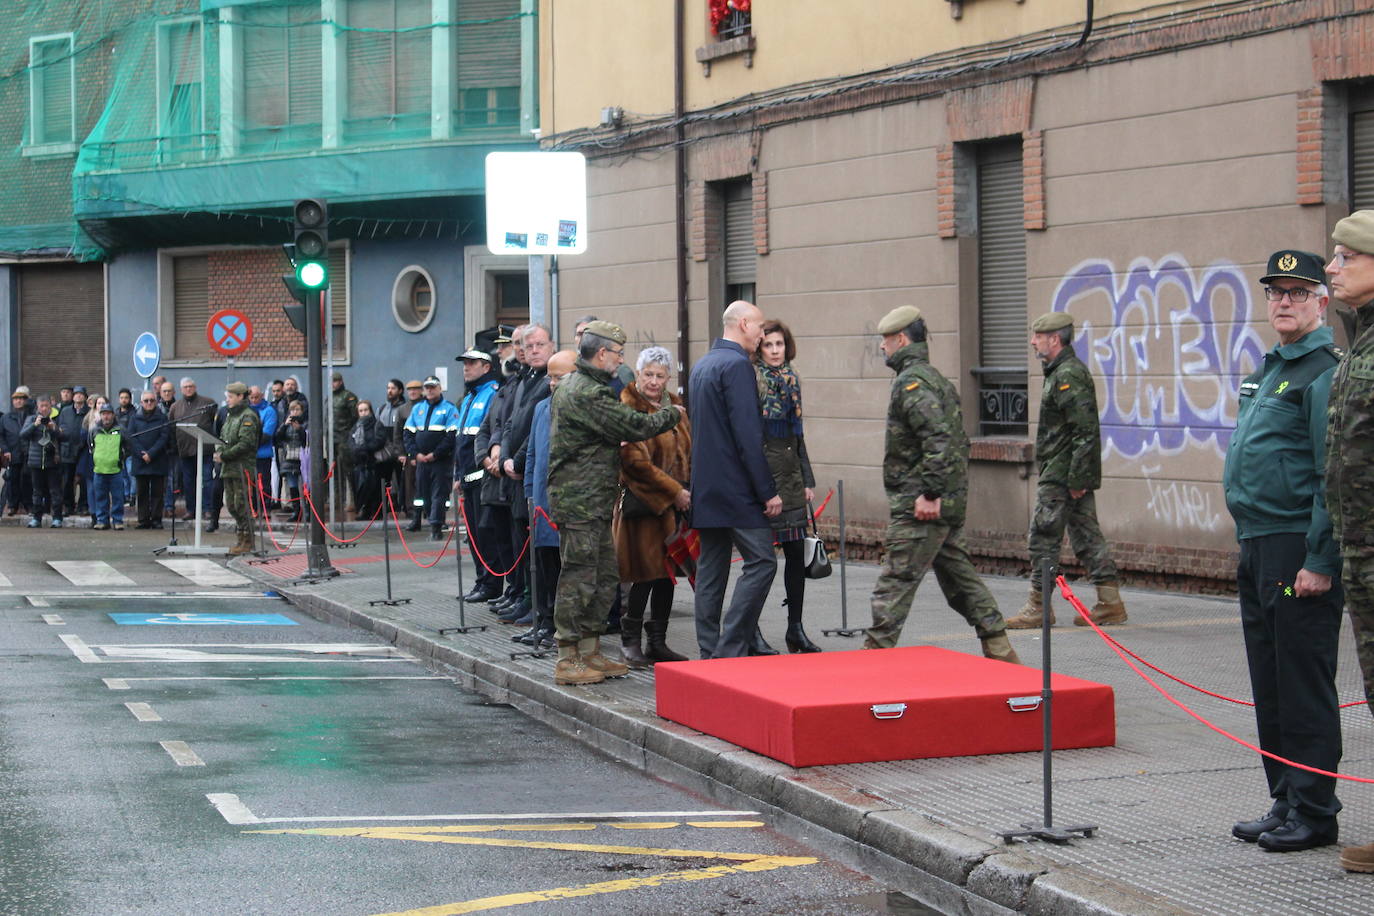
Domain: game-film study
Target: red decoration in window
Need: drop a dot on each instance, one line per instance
(723, 11)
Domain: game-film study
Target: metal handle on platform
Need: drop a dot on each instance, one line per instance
(1024, 704)
(888, 710)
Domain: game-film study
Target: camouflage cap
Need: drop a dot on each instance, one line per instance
(236, 388)
(1356, 231)
(1050, 322)
(606, 330)
(899, 319)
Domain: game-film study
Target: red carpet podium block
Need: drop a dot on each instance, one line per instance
(885, 704)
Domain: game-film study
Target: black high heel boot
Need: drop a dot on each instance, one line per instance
(758, 646)
(796, 638)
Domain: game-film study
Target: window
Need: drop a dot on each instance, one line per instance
(741, 258)
(191, 292)
(730, 18)
(412, 299)
(1361, 101)
(487, 64)
(388, 50)
(282, 80)
(52, 71)
(180, 81)
(1002, 318)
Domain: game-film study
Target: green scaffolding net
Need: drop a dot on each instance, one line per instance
(193, 106)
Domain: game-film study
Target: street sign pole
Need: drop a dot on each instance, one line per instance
(318, 566)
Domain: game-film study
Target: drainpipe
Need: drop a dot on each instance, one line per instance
(1087, 26)
(680, 198)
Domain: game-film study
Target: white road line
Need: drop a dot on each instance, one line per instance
(37, 601)
(146, 594)
(237, 813)
(5, 582)
(125, 681)
(143, 712)
(205, 572)
(116, 683)
(53, 620)
(181, 752)
(79, 648)
(90, 572)
(172, 653)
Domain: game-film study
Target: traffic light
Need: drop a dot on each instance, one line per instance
(294, 313)
(310, 233)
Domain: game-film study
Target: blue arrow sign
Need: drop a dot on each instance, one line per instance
(147, 354)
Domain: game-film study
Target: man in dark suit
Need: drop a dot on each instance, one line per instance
(733, 494)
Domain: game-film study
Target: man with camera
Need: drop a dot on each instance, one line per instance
(42, 438)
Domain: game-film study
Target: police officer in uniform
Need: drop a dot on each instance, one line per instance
(925, 474)
(1288, 578)
(429, 443)
(481, 381)
(1068, 455)
(237, 457)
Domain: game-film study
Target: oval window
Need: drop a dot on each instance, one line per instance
(412, 299)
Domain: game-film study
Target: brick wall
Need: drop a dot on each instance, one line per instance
(250, 281)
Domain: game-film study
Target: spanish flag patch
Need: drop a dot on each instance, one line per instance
(913, 386)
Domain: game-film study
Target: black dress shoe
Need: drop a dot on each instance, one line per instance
(500, 603)
(516, 611)
(1295, 836)
(1250, 831)
(479, 595)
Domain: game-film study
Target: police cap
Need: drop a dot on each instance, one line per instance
(1299, 265)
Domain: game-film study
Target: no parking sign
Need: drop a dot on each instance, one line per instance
(229, 332)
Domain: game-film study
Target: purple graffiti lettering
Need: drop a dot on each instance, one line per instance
(1172, 353)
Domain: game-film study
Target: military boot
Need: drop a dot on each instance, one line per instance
(590, 650)
(243, 545)
(631, 630)
(1108, 610)
(999, 647)
(1032, 613)
(1358, 858)
(571, 669)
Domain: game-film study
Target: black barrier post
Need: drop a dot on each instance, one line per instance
(261, 556)
(458, 555)
(386, 558)
(844, 629)
(1046, 829)
(535, 652)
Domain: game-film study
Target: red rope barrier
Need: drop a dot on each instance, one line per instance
(463, 511)
(402, 534)
(1083, 612)
(353, 540)
(267, 518)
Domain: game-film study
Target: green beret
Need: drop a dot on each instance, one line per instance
(1051, 322)
(236, 388)
(607, 330)
(1356, 231)
(899, 319)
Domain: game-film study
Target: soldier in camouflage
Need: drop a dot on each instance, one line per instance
(344, 406)
(1068, 455)
(587, 425)
(925, 474)
(1350, 454)
(237, 457)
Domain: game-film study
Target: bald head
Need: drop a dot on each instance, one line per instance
(561, 364)
(743, 324)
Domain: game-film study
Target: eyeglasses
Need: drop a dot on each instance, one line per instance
(1297, 296)
(620, 352)
(1339, 258)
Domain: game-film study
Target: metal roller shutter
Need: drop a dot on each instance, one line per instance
(191, 295)
(62, 327)
(741, 258)
(1362, 148)
(338, 300)
(488, 51)
(1001, 257)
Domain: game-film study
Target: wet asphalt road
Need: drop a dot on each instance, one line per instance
(201, 767)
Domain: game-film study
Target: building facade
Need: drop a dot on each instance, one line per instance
(987, 161)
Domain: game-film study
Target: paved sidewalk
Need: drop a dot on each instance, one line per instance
(1163, 799)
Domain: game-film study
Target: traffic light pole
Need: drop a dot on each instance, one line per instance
(316, 551)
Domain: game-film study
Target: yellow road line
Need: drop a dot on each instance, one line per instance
(740, 824)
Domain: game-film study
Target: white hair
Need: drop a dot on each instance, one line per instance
(186, 380)
(655, 355)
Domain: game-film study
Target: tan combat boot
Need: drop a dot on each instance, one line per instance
(1358, 858)
(571, 669)
(243, 545)
(1108, 610)
(999, 647)
(590, 650)
(1032, 613)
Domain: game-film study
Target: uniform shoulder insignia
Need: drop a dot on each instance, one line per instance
(914, 385)
(1335, 351)
(1064, 387)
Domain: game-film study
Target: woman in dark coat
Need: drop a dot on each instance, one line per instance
(785, 448)
(653, 476)
(366, 439)
(291, 440)
(150, 439)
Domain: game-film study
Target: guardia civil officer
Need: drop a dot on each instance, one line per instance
(1288, 578)
(1068, 455)
(925, 474)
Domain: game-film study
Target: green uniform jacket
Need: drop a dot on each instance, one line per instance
(1275, 462)
(587, 424)
(1068, 444)
(240, 434)
(1350, 440)
(345, 404)
(926, 450)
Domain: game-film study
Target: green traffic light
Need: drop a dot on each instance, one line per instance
(312, 274)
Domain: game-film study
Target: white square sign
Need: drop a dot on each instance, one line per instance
(536, 203)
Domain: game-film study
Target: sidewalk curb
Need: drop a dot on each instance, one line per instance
(1002, 876)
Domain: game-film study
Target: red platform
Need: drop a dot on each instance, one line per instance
(815, 709)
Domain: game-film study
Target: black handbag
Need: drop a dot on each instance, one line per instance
(814, 554)
(631, 506)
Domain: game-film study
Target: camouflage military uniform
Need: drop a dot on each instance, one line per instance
(344, 405)
(1068, 449)
(238, 455)
(926, 453)
(1350, 485)
(587, 425)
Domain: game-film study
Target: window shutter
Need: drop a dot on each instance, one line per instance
(1002, 318)
(55, 91)
(191, 305)
(741, 256)
(1362, 151)
(338, 300)
(488, 52)
(281, 66)
(61, 326)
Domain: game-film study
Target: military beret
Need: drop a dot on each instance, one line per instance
(1050, 322)
(899, 319)
(606, 330)
(1299, 265)
(1356, 231)
(236, 388)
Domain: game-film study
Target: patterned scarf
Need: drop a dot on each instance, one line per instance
(781, 401)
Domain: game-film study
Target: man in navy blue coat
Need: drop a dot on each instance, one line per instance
(733, 494)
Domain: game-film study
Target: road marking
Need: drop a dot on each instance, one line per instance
(37, 601)
(301, 653)
(181, 752)
(53, 620)
(79, 648)
(143, 712)
(5, 582)
(90, 572)
(125, 681)
(223, 596)
(116, 683)
(237, 813)
(205, 572)
(195, 619)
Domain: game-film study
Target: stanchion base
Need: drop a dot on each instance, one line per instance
(316, 577)
(1059, 835)
(348, 546)
(539, 653)
(192, 550)
(846, 632)
(391, 602)
(475, 628)
(265, 559)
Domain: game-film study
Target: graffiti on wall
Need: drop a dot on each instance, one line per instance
(1180, 503)
(1171, 344)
